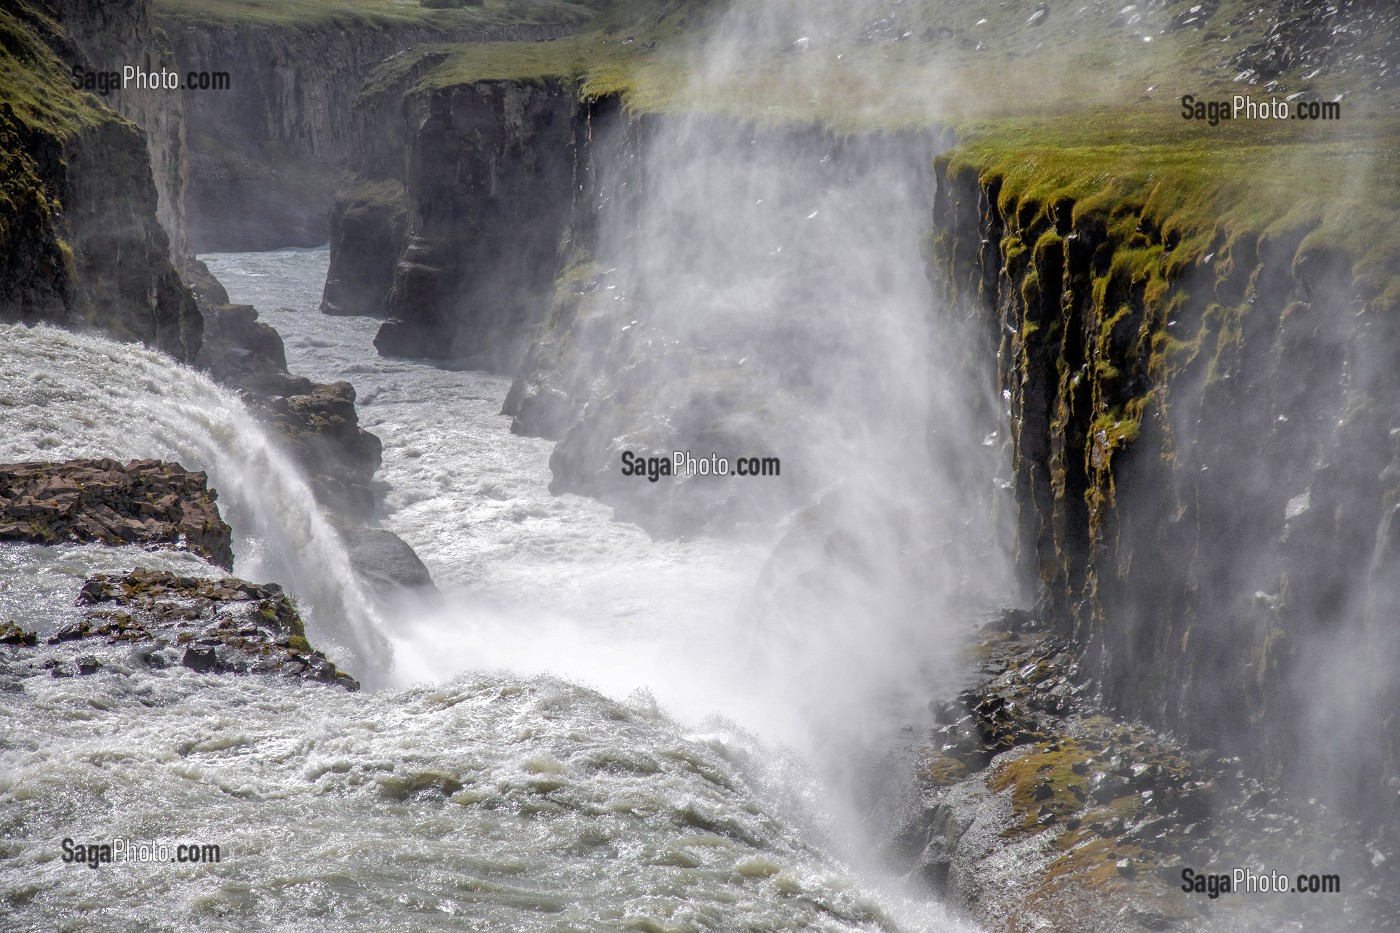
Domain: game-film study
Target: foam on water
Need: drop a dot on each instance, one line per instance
(538, 583)
(492, 803)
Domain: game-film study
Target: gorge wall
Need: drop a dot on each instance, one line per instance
(267, 154)
(82, 242)
(1206, 468)
(577, 245)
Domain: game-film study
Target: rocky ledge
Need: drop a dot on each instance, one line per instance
(1033, 807)
(156, 619)
(318, 422)
(145, 502)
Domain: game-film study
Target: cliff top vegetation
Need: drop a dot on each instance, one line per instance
(881, 63)
(33, 82)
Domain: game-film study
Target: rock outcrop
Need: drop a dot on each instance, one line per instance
(156, 619)
(1032, 808)
(322, 430)
(145, 503)
(368, 226)
(318, 423)
(490, 185)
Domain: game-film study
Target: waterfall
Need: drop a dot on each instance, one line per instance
(66, 395)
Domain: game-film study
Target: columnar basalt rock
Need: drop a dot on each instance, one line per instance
(110, 35)
(490, 186)
(368, 225)
(1204, 461)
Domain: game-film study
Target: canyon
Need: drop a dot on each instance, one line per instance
(1182, 422)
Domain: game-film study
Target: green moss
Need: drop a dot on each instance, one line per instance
(34, 83)
(1197, 188)
(1113, 430)
(1046, 778)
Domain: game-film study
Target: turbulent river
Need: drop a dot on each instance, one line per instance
(573, 737)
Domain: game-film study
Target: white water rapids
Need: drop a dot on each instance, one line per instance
(507, 775)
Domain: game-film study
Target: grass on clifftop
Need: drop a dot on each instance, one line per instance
(872, 64)
(1331, 186)
(32, 80)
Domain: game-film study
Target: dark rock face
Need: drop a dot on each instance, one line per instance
(103, 260)
(114, 33)
(145, 502)
(239, 350)
(318, 423)
(160, 620)
(490, 184)
(367, 227)
(1205, 481)
(125, 280)
(322, 430)
(385, 559)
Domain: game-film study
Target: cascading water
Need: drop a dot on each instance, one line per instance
(520, 803)
(66, 395)
(476, 788)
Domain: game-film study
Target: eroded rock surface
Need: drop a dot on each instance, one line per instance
(158, 619)
(1035, 808)
(147, 503)
(322, 430)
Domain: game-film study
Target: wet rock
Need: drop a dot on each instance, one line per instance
(1311, 39)
(147, 503)
(1030, 818)
(322, 431)
(12, 634)
(239, 351)
(318, 423)
(161, 620)
(368, 225)
(384, 559)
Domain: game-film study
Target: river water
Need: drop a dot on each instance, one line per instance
(574, 737)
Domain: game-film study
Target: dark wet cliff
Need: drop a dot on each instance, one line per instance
(112, 35)
(489, 181)
(1204, 446)
(82, 244)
